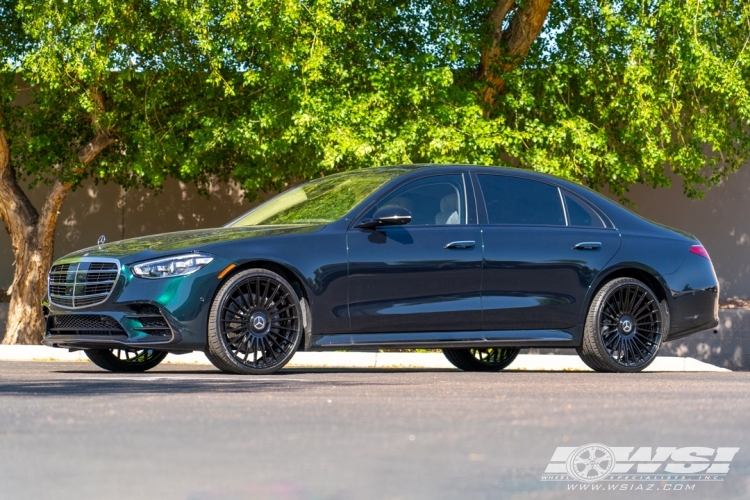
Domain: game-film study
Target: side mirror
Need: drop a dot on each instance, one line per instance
(387, 216)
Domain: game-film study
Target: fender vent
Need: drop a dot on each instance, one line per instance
(149, 320)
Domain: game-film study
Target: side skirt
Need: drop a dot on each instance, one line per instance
(440, 340)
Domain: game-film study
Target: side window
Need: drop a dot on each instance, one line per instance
(580, 214)
(436, 200)
(512, 200)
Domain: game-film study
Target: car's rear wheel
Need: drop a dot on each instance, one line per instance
(492, 359)
(255, 324)
(624, 327)
(125, 360)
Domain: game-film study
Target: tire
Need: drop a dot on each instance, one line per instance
(491, 359)
(255, 324)
(126, 360)
(214, 360)
(624, 328)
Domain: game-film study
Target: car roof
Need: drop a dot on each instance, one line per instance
(414, 167)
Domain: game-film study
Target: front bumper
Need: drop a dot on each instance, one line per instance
(169, 314)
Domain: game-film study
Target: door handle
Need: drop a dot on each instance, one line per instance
(588, 245)
(460, 245)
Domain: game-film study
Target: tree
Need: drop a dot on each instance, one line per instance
(603, 92)
(135, 93)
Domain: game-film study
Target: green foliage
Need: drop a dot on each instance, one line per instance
(264, 92)
(626, 88)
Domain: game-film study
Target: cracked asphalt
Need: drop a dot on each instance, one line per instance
(70, 430)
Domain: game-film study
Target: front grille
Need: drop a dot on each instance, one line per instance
(83, 283)
(84, 324)
(149, 320)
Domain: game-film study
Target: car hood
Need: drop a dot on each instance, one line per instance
(158, 245)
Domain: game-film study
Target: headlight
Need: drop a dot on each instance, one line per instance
(169, 267)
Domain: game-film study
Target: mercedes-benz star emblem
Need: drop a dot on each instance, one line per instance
(627, 325)
(259, 322)
(101, 241)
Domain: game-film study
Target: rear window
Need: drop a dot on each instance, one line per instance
(512, 200)
(580, 214)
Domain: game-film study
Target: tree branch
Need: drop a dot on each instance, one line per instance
(510, 45)
(51, 209)
(99, 143)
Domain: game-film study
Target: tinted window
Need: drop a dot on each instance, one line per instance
(511, 200)
(436, 200)
(319, 201)
(581, 214)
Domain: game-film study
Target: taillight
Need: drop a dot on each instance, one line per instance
(699, 250)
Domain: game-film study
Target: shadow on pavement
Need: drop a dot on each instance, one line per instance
(168, 384)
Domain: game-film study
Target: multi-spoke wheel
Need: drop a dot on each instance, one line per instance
(125, 360)
(492, 359)
(624, 328)
(255, 325)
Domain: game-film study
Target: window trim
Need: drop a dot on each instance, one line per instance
(564, 206)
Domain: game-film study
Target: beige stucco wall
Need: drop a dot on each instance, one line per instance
(721, 220)
(92, 210)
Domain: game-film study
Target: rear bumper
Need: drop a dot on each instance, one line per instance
(701, 328)
(694, 298)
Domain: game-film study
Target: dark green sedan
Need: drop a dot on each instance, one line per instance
(477, 261)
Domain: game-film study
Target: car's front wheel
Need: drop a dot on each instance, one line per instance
(255, 324)
(125, 360)
(624, 327)
(492, 359)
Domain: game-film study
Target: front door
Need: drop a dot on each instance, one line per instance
(423, 276)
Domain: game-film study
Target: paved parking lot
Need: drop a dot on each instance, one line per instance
(69, 430)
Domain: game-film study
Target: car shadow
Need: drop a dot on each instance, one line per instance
(98, 383)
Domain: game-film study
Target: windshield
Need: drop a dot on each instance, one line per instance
(318, 202)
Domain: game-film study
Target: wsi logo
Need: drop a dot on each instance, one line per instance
(598, 462)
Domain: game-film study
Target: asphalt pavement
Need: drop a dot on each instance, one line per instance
(70, 430)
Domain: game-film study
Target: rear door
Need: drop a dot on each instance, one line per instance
(543, 247)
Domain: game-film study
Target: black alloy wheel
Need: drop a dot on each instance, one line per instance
(255, 325)
(624, 328)
(491, 359)
(125, 360)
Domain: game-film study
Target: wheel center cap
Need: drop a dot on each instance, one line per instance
(258, 322)
(627, 326)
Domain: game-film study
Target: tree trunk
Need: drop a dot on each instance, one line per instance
(33, 250)
(510, 45)
(32, 234)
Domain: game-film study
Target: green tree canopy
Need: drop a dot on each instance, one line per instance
(604, 92)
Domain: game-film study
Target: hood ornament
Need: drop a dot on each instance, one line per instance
(101, 241)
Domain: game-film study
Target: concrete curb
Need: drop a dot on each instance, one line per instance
(524, 362)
